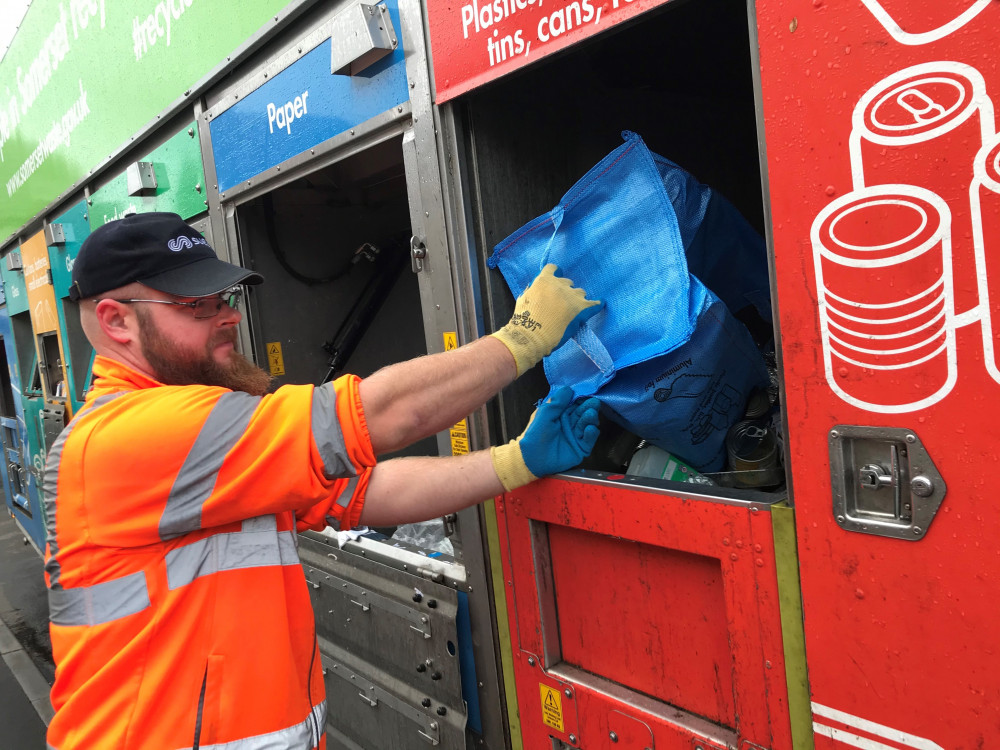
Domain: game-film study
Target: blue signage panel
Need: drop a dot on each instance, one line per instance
(301, 107)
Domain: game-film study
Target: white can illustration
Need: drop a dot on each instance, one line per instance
(884, 280)
(923, 126)
(984, 196)
(915, 23)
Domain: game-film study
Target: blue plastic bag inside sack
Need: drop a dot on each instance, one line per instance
(670, 258)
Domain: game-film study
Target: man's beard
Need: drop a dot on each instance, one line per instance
(175, 366)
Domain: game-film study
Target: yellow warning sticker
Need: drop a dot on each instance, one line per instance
(459, 439)
(274, 359)
(450, 340)
(552, 715)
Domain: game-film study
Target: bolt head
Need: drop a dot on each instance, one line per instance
(531, 661)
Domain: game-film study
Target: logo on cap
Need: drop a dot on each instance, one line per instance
(181, 242)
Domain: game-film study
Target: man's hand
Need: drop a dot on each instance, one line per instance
(559, 435)
(548, 313)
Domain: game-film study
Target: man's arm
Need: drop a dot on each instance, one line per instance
(412, 400)
(559, 435)
(406, 490)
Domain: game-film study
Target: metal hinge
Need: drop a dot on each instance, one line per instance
(418, 251)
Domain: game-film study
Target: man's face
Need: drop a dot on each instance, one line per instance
(185, 351)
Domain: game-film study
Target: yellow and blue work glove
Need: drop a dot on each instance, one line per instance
(559, 435)
(547, 313)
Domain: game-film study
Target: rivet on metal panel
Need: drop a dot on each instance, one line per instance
(300, 49)
(90, 201)
(613, 736)
(767, 664)
(572, 739)
(436, 676)
(834, 434)
(197, 187)
(840, 519)
(423, 619)
(312, 151)
(441, 710)
(433, 725)
(191, 132)
(917, 530)
(531, 661)
(85, 217)
(352, 132)
(911, 438)
(399, 109)
(426, 703)
(725, 541)
(568, 693)
(734, 557)
(222, 196)
(421, 667)
(278, 168)
(432, 603)
(413, 84)
(760, 563)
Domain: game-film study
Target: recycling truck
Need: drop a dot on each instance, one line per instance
(368, 157)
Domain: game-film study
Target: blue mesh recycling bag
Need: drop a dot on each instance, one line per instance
(670, 258)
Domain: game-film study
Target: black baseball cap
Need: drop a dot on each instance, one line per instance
(160, 250)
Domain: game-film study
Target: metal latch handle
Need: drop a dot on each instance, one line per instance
(874, 477)
(418, 251)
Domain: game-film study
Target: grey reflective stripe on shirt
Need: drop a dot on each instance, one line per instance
(100, 603)
(327, 433)
(51, 485)
(197, 477)
(344, 499)
(297, 737)
(257, 545)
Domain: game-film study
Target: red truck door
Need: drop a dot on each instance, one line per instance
(884, 172)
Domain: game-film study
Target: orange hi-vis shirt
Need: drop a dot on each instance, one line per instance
(180, 614)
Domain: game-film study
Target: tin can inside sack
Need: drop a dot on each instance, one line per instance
(884, 287)
(985, 195)
(753, 454)
(923, 126)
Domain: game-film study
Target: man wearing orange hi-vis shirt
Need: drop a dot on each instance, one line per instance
(180, 614)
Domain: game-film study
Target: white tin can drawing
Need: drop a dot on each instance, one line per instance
(923, 126)
(984, 196)
(886, 307)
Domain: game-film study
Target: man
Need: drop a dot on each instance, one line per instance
(180, 615)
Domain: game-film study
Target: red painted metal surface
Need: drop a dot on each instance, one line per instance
(477, 41)
(886, 240)
(654, 617)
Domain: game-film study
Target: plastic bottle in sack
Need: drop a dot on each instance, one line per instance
(656, 463)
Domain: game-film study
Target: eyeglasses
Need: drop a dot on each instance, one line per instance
(204, 307)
